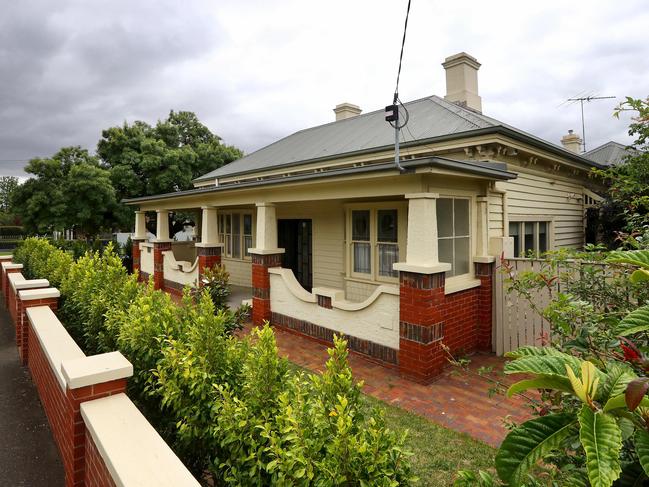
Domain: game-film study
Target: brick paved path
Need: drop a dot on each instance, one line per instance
(457, 400)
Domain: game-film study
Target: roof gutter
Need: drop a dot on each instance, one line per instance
(494, 171)
(498, 129)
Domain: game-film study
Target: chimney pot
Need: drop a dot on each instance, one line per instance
(572, 142)
(346, 110)
(462, 81)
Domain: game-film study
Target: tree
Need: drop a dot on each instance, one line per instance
(626, 207)
(145, 160)
(8, 185)
(68, 190)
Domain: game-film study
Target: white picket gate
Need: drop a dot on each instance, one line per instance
(516, 323)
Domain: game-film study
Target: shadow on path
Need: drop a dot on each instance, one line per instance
(28, 454)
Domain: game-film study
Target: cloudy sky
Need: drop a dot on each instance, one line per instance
(255, 71)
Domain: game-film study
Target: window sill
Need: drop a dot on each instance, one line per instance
(460, 283)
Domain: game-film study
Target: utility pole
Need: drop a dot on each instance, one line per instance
(581, 100)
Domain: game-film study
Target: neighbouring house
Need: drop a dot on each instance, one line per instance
(332, 238)
(610, 154)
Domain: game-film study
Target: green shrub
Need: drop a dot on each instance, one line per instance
(226, 404)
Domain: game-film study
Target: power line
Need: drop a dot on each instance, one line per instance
(403, 43)
(392, 111)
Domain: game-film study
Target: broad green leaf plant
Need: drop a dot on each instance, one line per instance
(601, 428)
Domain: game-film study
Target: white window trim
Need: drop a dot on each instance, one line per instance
(533, 219)
(221, 230)
(402, 222)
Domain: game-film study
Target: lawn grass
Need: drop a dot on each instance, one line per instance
(438, 452)
(6, 252)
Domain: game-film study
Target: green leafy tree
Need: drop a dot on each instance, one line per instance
(8, 185)
(145, 160)
(626, 207)
(68, 190)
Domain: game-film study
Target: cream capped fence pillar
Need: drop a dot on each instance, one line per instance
(265, 255)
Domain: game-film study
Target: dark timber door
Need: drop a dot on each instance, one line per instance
(294, 236)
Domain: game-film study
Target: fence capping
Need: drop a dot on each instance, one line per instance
(6, 258)
(55, 341)
(19, 284)
(96, 369)
(132, 450)
(33, 294)
(11, 265)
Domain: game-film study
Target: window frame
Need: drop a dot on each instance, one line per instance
(521, 220)
(472, 226)
(222, 215)
(373, 208)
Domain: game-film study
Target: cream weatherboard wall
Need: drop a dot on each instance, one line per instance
(328, 239)
(240, 271)
(534, 196)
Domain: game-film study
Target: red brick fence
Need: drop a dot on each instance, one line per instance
(102, 438)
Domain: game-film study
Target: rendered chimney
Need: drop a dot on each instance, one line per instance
(346, 110)
(572, 142)
(462, 81)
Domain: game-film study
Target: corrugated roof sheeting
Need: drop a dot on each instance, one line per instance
(609, 154)
(429, 117)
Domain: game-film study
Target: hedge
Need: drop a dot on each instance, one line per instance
(231, 407)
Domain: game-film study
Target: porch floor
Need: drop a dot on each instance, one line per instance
(458, 400)
(238, 294)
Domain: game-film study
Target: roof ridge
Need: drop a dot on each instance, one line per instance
(447, 106)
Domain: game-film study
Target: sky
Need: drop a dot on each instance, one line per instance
(256, 71)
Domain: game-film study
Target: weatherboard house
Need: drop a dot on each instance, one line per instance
(332, 237)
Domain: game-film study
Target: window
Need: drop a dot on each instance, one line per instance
(374, 244)
(235, 232)
(454, 234)
(361, 246)
(388, 242)
(530, 237)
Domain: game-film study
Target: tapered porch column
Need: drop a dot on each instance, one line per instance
(138, 237)
(161, 244)
(266, 254)
(209, 249)
(421, 297)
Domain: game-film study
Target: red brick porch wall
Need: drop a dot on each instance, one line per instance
(158, 263)
(261, 286)
(429, 318)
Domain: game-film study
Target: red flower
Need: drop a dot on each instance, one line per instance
(631, 352)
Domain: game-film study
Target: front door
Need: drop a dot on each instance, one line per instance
(294, 236)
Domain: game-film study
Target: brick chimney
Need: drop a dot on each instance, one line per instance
(346, 110)
(572, 142)
(462, 81)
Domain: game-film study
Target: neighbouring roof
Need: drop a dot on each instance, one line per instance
(491, 170)
(609, 154)
(430, 118)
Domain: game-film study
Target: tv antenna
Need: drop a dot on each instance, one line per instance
(581, 100)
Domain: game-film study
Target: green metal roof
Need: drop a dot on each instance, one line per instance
(431, 118)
